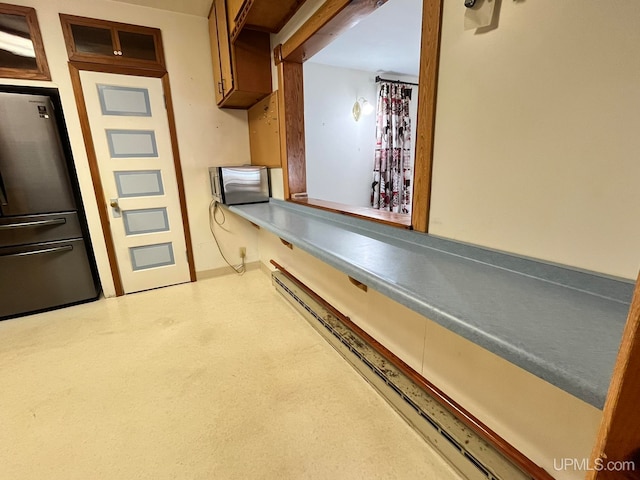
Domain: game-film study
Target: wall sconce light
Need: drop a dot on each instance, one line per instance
(362, 106)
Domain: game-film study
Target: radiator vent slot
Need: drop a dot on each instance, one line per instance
(463, 448)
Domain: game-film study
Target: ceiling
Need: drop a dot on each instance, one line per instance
(192, 7)
(388, 40)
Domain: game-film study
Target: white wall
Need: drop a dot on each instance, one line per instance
(206, 135)
(339, 150)
(536, 142)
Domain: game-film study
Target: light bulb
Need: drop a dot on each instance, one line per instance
(367, 108)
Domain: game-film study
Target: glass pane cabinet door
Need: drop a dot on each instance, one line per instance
(112, 43)
(16, 47)
(137, 45)
(95, 40)
(21, 49)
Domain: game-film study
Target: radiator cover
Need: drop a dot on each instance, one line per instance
(471, 455)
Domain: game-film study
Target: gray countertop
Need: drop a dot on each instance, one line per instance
(562, 324)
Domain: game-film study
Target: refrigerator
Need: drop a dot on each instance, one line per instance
(45, 257)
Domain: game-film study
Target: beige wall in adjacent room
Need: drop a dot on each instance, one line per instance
(536, 140)
(206, 135)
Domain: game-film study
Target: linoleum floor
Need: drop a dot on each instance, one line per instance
(218, 379)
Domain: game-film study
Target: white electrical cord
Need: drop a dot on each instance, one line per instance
(213, 207)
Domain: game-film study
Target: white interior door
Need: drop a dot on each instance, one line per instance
(130, 131)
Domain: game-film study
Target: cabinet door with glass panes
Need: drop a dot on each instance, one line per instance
(101, 41)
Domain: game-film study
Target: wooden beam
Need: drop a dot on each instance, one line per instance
(425, 127)
(619, 436)
(332, 18)
(291, 110)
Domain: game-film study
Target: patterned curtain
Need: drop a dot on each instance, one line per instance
(391, 187)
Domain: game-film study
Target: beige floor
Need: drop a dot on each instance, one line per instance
(220, 379)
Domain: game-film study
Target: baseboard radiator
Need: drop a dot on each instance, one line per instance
(471, 447)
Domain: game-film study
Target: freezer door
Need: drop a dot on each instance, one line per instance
(44, 275)
(33, 170)
(39, 228)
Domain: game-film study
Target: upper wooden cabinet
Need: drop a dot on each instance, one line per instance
(234, 7)
(242, 68)
(220, 50)
(262, 15)
(101, 41)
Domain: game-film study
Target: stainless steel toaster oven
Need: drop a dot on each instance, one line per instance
(237, 185)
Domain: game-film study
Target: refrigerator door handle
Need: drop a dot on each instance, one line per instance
(3, 194)
(64, 248)
(39, 223)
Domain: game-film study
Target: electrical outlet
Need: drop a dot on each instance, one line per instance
(243, 252)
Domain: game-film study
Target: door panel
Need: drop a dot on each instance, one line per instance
(135, 159)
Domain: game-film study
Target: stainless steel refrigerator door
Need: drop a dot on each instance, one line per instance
(44, 275)
(33, 171)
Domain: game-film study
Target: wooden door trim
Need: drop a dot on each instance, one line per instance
(173, 133)
(291, 126)
(333, 17)
(426, 118)
(75, 68)
(95, 177)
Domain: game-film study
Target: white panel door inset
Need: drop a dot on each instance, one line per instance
(130, 132)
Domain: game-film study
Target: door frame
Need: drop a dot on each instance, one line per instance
(74, 69)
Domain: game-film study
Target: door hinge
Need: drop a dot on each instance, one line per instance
(165, 101)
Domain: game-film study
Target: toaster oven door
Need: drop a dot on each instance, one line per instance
(244, 185)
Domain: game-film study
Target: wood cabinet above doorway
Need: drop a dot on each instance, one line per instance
(100, 41)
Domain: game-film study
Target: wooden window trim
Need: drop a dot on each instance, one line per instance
(332, 18)
(42, 72)
(618, 439)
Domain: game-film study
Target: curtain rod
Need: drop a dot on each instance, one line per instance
(378, 79)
